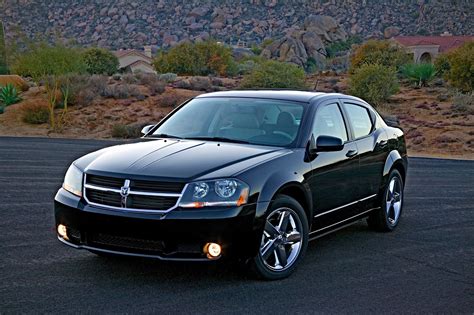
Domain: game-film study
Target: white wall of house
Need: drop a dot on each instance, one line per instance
(141, 67)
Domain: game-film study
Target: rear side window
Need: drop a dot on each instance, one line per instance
(360, 120)
(329, 122)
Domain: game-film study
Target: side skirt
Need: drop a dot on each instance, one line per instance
(340, 225)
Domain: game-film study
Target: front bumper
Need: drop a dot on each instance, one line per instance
(179, 235)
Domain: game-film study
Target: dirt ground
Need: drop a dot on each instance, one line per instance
(432, 128)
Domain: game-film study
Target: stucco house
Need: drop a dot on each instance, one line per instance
(133, 60)
(427, 48)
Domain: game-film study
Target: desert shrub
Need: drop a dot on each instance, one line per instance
(200, 84)
(121, 91)
(100, 61)
(463, 103)
(441, 64)
(374, 83)
(9, 95)
(16, 80)
(126, 131)
(157, 87)
(335, 48)
(202, 58)
(34, 113)
(85, 89)
(130, 78)
(50, 65)
(168, 77)
(380, 52)
(461, 67)
(275, 74)
(419, 73)
(170, 100)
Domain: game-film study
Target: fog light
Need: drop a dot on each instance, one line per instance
(212, 250)
(62, 231)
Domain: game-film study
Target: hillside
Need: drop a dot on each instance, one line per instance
(125, 24)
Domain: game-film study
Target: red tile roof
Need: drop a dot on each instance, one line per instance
(445, 42)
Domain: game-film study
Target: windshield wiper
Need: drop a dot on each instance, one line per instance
(218, 139)
(164, 135)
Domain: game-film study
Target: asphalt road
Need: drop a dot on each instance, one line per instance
(426, 265)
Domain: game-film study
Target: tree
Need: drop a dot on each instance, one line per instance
(100, 61)
(460, 73)
(380, 52)
(51, 66)
(275, 74)
(201, 58)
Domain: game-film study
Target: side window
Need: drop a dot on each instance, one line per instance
(329, 122)
(360, 120)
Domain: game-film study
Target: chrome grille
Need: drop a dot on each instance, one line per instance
(133, 195)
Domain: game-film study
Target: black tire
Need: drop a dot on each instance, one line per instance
(295, 250)
(383, 220)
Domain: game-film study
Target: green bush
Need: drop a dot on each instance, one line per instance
(201, 58)
(275, 74)
(374, 83)
(461, 67)
(380, 52)
(34, 113)
(340, 46)
(419, 73)
(9, 95)
(100, 61)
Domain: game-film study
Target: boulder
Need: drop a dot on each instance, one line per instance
(391, 31)
(325, 27)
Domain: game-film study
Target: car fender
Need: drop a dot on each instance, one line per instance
(278, 182)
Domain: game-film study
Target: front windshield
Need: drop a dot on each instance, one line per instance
(246, 120)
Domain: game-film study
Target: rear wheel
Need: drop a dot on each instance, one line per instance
(284, 240)
(386, 219)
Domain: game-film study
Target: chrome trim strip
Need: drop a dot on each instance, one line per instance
(357, 215)
(130, 209)
(130, 254)
(344, 206)
(132, 192)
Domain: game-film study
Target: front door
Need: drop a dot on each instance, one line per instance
(334, 174)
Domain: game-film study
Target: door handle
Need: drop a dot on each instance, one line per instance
(351, 153)
(383, 143)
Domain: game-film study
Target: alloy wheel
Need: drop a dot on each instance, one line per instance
(281, 240)
(393, 200)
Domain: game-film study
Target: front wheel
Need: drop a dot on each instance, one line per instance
(284, 240)
(386, 219)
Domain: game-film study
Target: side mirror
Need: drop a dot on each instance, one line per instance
(147, 129)
(328, 143)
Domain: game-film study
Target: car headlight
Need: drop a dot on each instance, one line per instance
(73, 181)
(220, 192)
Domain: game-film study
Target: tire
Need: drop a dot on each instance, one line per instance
(388, 216)
(281, 248)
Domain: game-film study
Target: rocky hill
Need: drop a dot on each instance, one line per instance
(125, 24)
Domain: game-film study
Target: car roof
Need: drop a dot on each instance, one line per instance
(289, 95)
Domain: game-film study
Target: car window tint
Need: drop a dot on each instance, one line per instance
(329, 122)
(360, 120)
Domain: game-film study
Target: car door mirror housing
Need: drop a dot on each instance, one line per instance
(147, 129)
(328, 143)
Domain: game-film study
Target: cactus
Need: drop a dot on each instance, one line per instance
(3, 54)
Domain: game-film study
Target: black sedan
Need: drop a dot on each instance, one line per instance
(248, 175)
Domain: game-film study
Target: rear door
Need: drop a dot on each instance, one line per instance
(334, 177)
(371, 142)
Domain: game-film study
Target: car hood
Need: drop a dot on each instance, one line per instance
(176, 159)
